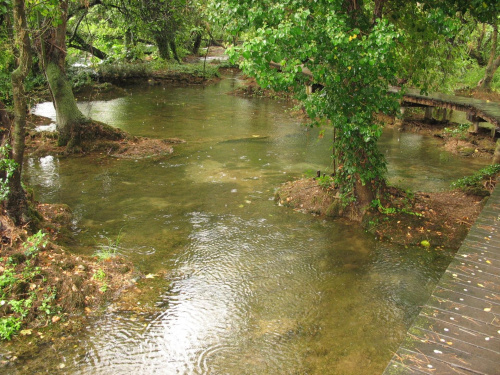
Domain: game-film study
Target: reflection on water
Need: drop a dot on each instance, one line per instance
(256, 288)
(418, 162)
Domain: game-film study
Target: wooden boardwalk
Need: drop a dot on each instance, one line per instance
(458, 330)
(477, 110)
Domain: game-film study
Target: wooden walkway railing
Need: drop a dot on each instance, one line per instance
(458, 330)
(477, 110)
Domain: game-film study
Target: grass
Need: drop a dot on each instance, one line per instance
(108, 250)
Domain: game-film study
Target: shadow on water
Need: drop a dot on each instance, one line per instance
(256, 288)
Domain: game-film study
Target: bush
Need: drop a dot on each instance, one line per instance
(480, 182)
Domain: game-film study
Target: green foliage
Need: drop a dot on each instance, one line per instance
(7, 168)
(325, 181)
(47, 303)
(353, 58)
(474, 183)
(34, 243)
(9, 326)
(469, 77)
(80, 77)
(459, 131)
(7, 280)
(377, 204)
(100, 276)
(22, 306)
(123, 70)
(17, 302)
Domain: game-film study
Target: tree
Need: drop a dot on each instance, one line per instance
(73, 127)
(52, 50)
(17, 207)
(485, 11)
(493, 61)
(346, 47)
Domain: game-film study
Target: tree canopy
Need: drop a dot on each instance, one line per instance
(347, 50)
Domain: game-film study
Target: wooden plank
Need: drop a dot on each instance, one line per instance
(480, 260)
(466, 331)
(464, 295)
(460, 308)
(399, 368)
(431, 364)
(472, 246)
(461, 277)
(481, 267)
(463, 321)
(446, 358)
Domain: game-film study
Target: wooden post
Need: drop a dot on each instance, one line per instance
(398, 121)
(476, 127)
(475, 120)
(496, 155)
(428, 113)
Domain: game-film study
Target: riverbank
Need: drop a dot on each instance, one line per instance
(438, 220)
(48, 293)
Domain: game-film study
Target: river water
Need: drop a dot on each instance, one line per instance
(255, 288)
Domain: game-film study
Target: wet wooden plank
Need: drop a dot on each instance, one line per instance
(462, 321)
(483, 344)
(399, 368)
(475, 247)
(460, 275)
(414, 360)
(480, 260)
(460, 308)
(484, 268)
(477, 303)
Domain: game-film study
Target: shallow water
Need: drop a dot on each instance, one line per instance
(256, 288)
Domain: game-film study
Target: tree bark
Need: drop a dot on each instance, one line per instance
(70, 120)
(17, 206)
(493, 63)
(163, 47)
(173, 47)
(196, 44)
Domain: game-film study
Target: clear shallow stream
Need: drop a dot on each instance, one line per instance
(256, 288)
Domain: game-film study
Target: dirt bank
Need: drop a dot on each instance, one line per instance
(441, 219)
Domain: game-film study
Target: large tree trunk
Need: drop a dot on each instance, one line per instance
(53, 50)
(493, 63)
(195, 50)
(70, 120)
(17, 206)
(163, 46)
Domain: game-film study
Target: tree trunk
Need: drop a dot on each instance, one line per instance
(173, 47)
(70, 119)
(163, 47)
(196, 44)
(493, 63)
(17, 206)
(4, 125)
(365, 194)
